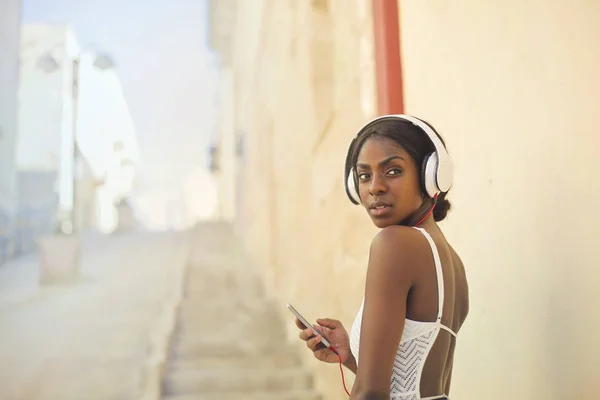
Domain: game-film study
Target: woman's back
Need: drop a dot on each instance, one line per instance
(422, 305)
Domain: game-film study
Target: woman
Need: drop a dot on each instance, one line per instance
(416, 295)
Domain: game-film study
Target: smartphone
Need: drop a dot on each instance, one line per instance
(307, 324)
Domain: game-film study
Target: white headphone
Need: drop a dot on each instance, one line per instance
(437, 170)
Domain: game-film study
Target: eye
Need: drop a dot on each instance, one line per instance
(363, 176)
(394, 171)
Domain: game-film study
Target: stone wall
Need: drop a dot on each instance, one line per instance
(304, 82)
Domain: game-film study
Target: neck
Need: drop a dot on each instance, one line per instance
(422, 215)
(428, 223)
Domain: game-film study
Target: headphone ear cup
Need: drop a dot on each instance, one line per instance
(430, 166)
(352, 189)
(423, 176)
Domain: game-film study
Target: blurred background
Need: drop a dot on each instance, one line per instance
(171, 174)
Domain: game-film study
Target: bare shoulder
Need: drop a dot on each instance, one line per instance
(400, 248)
(402, 240)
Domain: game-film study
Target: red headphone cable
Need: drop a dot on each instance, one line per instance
(341, 370)
(435, 197)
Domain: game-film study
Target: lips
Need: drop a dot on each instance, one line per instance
(378, 204)
(379, 209)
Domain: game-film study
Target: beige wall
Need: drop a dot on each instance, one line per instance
(304, 82)
(515, 104)
(226, 148)
(514, 87)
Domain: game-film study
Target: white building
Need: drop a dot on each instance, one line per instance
(52, 113)
(10, 20)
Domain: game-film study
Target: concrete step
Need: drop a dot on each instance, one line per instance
(229, 340)
(226, 333)
(221, 291)
(200, 349)
(207, 319)
(192, 309)
(237, 380)
(291, 395)
(235, 362)
(212, 244)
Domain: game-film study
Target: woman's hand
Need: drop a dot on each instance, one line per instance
(336, 334)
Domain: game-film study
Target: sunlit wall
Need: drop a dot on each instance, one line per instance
(514, 87)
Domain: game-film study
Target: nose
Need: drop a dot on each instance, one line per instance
(377, 186)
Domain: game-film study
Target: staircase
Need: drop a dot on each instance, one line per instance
(229, 342)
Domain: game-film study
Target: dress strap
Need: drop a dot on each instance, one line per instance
(438, 270)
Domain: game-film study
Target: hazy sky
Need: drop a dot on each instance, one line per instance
(169, 75)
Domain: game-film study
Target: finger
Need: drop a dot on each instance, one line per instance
(299, 324)
(329, 323)
(325, 331)
(311, 345)
(306, 334)
(314, 343)
(322, 354)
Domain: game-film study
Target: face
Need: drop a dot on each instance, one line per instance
(388, 181)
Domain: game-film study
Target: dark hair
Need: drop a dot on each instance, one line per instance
(412, 139)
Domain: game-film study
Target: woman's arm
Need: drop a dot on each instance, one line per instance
(351, 363)
(390, 275)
